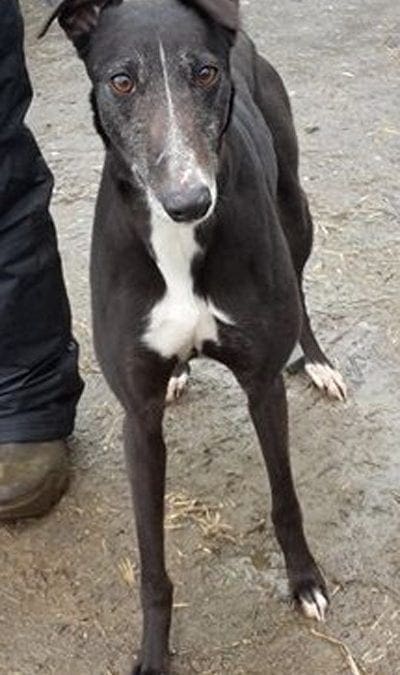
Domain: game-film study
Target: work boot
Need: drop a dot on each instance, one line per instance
(33, 476)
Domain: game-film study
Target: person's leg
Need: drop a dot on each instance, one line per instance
(39, 379)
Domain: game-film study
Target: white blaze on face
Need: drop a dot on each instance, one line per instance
(183, 166)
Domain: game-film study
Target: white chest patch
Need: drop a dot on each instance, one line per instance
(181, 320)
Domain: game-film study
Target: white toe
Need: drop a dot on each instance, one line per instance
(315, 606)
(176, 387)
(327, 379)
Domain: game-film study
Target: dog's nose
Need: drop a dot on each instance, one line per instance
(189, 204)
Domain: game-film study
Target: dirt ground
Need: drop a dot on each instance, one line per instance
(68, 583)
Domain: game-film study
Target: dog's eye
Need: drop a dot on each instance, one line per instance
(206, 76)
(122, 84)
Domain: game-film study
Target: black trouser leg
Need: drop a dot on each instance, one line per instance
(39, 380)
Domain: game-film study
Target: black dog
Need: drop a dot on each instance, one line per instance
(200, 238)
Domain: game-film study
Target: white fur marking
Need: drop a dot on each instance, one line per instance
(177, 148)
(296, 354)
(181, 320)
(183, 163)
(316, 609)
(171, 110)
(176, 387)
(327, 379)
(220, 314)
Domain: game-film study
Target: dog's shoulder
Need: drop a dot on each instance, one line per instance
(252, 70)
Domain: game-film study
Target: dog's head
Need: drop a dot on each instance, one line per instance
(161, 89)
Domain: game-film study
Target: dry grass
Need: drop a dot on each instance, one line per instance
(127, 572)
(386, 628)
(182, 509)
(350, 661)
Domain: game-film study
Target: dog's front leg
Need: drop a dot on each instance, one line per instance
(146, 460)
(268, 409)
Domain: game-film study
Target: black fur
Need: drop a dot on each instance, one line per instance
(252, 252)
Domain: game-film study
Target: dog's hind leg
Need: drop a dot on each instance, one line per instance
(268, 409)
(316, 364)
(273, 102)
(298, 226)
(146, 461)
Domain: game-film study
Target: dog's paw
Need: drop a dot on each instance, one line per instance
(177, 385)
(312, 600)
(327, 379)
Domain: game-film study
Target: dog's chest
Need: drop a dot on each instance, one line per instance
(180, 321)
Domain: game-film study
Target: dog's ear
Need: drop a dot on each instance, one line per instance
(223, 12)
(77, 18)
